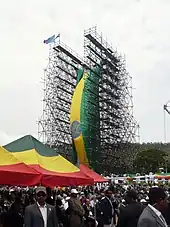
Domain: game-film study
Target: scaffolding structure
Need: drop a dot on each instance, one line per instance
(118, 128)
(59, 84)
(114, 146)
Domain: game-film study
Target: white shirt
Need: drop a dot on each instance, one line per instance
(65, 205)
(43, 211)
(92, 203)
(158, 213)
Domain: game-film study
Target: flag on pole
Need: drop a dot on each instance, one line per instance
(51, 39)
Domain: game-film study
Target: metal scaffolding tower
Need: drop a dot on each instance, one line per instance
(59, 83)
(118, 128)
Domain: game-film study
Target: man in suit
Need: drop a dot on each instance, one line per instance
(107, 209)
(76, 210)
(152, 214)
(40, 214)
(130, 214)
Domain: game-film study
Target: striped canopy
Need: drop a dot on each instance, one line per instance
(14, 172)
(53, 168)
(89, 172)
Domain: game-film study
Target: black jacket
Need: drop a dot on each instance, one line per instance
(11, 219)
(129, 215)
(107, 210)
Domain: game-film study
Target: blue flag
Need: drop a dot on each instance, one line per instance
(51, 39)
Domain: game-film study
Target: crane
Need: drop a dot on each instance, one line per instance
(166, 109)
(166, 106)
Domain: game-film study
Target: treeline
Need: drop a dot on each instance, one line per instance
(134, 158)
(158, 146)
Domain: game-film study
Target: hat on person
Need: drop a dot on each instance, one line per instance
(74, 191)
(67, 198)
(41, 189)
(143, 201)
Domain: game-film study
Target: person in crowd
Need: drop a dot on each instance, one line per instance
(152, 216)
(49, 199)
(166, 213)
(122, 205)
(76, 211)
(40, 214)
(143, 202)
(100, 205)
(129, 215)
(96, 210)
(107, 209)
(89, 218)
(61, 214)
(13, 217)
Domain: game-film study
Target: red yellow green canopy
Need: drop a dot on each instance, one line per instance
(53, 168)
(89, 172)
(14, 172)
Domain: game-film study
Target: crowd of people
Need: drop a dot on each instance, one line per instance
(106, 205)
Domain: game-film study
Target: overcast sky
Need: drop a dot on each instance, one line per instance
(140, 29)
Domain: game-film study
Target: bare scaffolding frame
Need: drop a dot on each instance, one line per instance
(59, 84)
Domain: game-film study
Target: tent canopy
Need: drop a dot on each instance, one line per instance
(55, 169)
(90, 173)
(14, 172)
(28, 143)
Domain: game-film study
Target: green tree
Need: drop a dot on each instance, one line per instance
(149, 160)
